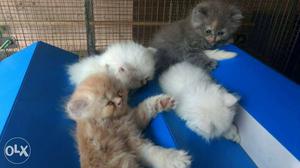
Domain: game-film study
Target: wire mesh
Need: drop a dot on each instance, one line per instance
(113, 21)
(270, 29)
(57, 22)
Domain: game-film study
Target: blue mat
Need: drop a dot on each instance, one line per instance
(37, 112)
(272, 99)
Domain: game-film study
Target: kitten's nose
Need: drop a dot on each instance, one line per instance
(211, 40)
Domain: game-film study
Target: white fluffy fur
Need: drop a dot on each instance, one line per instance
(207, 107)
(158, 157)
(130, 62)
(84, 68)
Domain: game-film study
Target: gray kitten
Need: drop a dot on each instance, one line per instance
(211, 23)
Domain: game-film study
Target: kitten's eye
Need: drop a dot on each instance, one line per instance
(144, 82)
(220, 33)
(110, 103)
(120, 93)
(208, 31)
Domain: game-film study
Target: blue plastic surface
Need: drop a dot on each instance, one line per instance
(272, 99)
(38, 116)
(12, 72)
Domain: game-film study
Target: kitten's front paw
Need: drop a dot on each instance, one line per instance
(164, 103)
(220, 54)
(176, 159)
(226, 55)
(232, 134)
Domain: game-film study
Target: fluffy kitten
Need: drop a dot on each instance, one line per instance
(211, 23)
(207, 107)
(108, 132)
(130, 62)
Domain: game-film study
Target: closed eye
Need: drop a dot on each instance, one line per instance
(143, 82)
(110, 103)
(120, 94)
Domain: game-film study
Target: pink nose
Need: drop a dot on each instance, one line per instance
(211, 39)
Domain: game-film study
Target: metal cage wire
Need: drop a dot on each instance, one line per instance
(270, 29)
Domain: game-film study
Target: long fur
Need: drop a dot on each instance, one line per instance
(130, 62)
(207, 107)
(108, 131)
(186, 39)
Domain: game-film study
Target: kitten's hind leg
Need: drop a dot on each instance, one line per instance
(159, 157)
(151, 106)
(220, 54)
(232, 134)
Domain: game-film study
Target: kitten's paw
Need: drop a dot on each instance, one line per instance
(220, 54)
(211, 65)
(164, 103)
(176, 159)
(232, 134)
(226, 55)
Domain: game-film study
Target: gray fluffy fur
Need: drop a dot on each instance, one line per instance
(185, 40)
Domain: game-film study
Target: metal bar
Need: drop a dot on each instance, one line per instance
(90, 28)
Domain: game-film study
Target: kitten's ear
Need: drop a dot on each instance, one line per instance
(201, 10)
(199, 13)
(236, 14)
(230, 99)
(77, 108)
(152, 50)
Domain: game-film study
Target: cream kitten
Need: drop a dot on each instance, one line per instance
(108, 132)
(130, 62)
(207, 107)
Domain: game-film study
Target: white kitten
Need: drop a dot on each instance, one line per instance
(207, 107)
(130, 62)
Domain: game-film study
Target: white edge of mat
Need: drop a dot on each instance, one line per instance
(264, 149)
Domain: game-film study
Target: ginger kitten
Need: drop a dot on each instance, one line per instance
(108, 131)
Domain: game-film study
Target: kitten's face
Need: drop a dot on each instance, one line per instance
(99, 96)
(215, 21)
(131, 77)
(132, 63)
